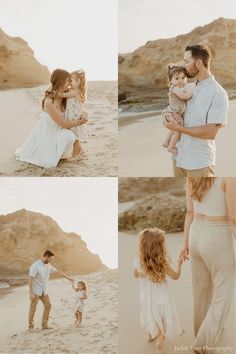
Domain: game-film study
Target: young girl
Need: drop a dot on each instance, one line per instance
(79, 304)
(179, 93)
(76, 96)
(152, 267)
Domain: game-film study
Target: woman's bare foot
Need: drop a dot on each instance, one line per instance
(173, 150)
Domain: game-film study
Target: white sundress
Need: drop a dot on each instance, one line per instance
(73, 111)
(157, 307)
(46, 144)
(79, 305)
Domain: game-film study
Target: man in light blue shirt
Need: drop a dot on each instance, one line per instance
(206, 113)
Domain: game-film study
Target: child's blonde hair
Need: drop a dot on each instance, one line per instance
(83, 284)
(153, 254)
(80, 74)
(175, 69)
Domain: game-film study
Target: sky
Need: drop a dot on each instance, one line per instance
(87, 206)
(144, 20)
(67, 34)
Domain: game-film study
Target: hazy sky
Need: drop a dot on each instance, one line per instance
(144, 20)
(87, 206)
(68, 34)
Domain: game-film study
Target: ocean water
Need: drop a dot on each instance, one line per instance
(4, 285)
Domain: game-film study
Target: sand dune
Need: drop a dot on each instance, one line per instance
(97, 334)
(20, 109)
(132, 339)
(141, 153)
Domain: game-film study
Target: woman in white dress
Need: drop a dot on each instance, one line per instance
(152, 267)
(51, 140)
(209, 231)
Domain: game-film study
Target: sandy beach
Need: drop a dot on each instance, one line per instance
(141, 154)
(20, 108)
(96, 335)
(132, 339)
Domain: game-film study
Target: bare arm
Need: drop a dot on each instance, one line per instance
(65, 276)
(57, 116)
(230, 195)
(182, 94)
(70, 94)
(175, 274)
(188, 221)
(207, 131)
(138, 274)
(32, 295)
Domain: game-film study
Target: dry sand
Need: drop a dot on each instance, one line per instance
(132, 339)
(19, 112)
(141, 153)
(96, 335)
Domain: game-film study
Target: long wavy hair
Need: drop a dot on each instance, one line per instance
(58, 79)
(153, 254)
(199, 186)
(82, 83)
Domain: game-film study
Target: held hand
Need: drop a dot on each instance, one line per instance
(76, 122)
(184, 253)
(32, 296)
(171, 124)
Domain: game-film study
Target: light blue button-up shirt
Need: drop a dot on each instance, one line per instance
(208, 105)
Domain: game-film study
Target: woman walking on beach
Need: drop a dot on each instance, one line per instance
(51, 140)
(209, 231)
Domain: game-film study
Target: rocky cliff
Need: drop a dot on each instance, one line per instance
(25, 235)
(18, 66)
(144, 70)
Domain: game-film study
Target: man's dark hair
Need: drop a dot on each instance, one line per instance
(48, 253)
(200, 51)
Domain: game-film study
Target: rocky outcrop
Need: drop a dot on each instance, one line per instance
(25, 235)
(18, 66)
(158, 202)
(144, 70)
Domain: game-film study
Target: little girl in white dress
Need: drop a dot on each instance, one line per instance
(79, 303)
(152, 266)
(76, 96)
(179, 93)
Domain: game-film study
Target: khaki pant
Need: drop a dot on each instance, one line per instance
(201, 172)
(213, 278)
(47, 307)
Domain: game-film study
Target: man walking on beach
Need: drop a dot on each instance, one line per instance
(39, 274)
(206, 113)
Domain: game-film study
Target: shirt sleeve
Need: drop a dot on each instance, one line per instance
(52, 269)
(33, 271)
(217, 113)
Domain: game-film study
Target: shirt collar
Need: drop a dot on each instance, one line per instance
(205, 82)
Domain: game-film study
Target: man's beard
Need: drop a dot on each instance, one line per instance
(193, 74)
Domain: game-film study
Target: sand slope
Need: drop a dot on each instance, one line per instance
(20, 109)
(141, 153)
(132, 339)
(97, 334)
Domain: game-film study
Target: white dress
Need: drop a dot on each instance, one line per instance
(73, 111)
(46, 144)
(157, 308)
(79, 304)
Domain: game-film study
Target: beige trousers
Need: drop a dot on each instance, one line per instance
(47, 307)
(202, 172)
(213, 277)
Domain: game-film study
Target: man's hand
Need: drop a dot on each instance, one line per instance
(172, 124)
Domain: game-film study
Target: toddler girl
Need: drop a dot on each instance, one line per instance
(76, 96)
(79, 304)
(152, 267)
(178, 95)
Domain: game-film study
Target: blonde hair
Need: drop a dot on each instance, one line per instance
(82, 283)
(153, 254)
(199, 186)
(82, 86)
(58, 79)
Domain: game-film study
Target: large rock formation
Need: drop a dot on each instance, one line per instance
(25, 235)
(18, 66)
(144, 70)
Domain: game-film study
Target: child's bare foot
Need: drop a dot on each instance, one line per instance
(165, 144)
(173, 150)
(150, 339)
